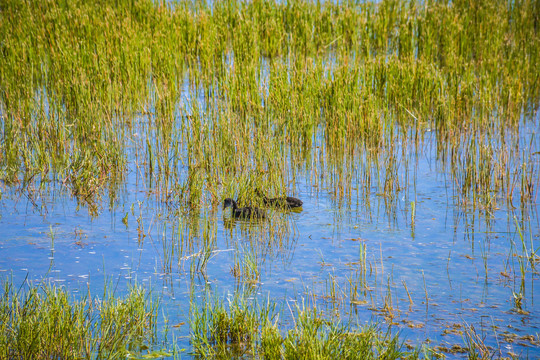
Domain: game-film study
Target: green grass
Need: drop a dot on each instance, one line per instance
(248, 328)
(45, 321)
(269, 83)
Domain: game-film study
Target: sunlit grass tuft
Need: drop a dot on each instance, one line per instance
(44, 321)
(244, 327)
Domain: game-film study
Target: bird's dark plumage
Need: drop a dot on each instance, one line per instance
(245, 212)
(286, 202)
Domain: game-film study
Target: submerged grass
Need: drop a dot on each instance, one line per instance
(44, 322)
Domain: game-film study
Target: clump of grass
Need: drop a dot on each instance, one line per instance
(246, 328)
(219, 328)
(245, 267)
(313, 337)
(44, 322)
(475, 345)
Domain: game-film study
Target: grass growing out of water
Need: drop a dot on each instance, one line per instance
(207, 95)
(203, 102)
(246, 328)
(44, 322)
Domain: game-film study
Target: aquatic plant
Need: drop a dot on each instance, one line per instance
(203, 95)
(45, 321)
(248, 328)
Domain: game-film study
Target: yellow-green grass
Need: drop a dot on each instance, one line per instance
(268, 91)
(45, 321)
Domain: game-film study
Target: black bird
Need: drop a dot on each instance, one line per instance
(245, 212)
(287, 202)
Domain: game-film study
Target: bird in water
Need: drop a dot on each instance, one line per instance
(287, 202)
(245, 212)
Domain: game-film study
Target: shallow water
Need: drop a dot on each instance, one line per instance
(459, 265)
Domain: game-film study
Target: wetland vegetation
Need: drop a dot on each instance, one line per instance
(409, 129)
